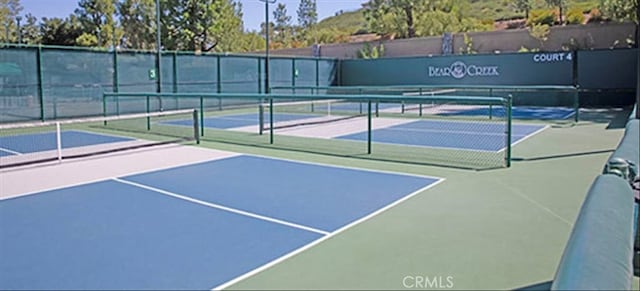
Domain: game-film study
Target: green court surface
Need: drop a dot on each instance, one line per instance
(493, 229)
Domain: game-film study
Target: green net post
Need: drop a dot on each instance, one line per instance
(369, 126)
(420, 105)
(270, 120)
(576, 104)
(196, 134)
(293, 75)
(261, 116)
(507, 158)
(104, 107)
(317, 74)
(490, 105)
(40, 85)
(148, 110)
(201, 115)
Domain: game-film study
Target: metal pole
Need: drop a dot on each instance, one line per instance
(158, 53)
(40, 82)
(267, 90)
(18, 19)
(509, 104)
(369, 126)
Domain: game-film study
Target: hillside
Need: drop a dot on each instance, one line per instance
(353, 22)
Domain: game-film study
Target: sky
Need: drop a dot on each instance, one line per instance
(253, 9)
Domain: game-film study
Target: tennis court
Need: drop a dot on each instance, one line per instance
(24, 143)
(448, 134)
(179, 228)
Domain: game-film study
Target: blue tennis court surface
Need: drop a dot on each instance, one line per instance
(517, 112)
(38, 142)
(240, 120)
(448, 134)
(191, 227)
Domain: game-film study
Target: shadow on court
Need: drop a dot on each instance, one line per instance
(535, 287)
(519, 159)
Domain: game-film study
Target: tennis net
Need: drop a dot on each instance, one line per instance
(39, 142)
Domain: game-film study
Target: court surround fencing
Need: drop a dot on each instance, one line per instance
(53, 82)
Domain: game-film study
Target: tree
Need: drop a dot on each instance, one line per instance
(307, 14)
(58, 31)
(620, 10)
(97, 19)
(561, 4)
(393, 15)
(9, 9)
(137, 19)
(200, 25)
(30, 30)
(524, 6)
(307, 20)
(282, 25)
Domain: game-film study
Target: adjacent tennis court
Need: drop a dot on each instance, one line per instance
(191, 227)
(449, 134)
(46, 141)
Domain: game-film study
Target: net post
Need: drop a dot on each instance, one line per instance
(196, 126)
(509, 103)
(576, 104)
(104, 107)
(201, 116)
(148, 110)
(402, 107)
(270, 120)
(420, 104)
(261, 116)
(174, 87)
(59, 142)
(377, 108)
(369, 126)
(490, 105)
(293, 75)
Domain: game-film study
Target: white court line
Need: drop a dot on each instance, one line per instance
(106, 178)
(536, 203)
(526, 137)
(225, 208)
(313, 243)
(338, 166)
(445, 131)
(10, 151)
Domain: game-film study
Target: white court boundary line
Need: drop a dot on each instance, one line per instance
(103, 179)
(10, 151)
(224, 208)
(322, 239)
(526, 137)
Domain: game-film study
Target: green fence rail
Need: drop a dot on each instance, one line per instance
(566, 96)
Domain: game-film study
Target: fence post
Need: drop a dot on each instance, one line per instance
(116, 86)
(509, 103)
(40, 79)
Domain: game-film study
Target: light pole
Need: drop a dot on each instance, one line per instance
(267, 88)
(18, 19)
(158, 54)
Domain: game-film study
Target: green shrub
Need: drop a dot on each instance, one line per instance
(541, 16)
(574, 16)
